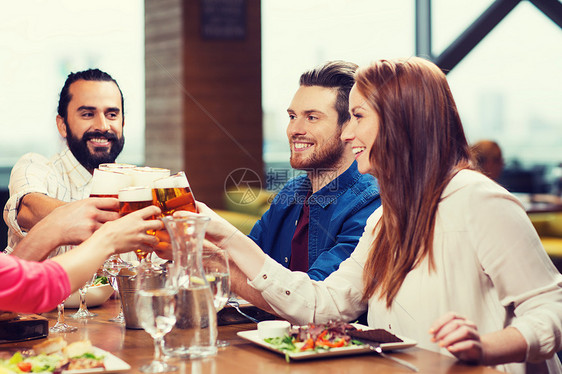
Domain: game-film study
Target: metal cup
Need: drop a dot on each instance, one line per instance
(127, 284)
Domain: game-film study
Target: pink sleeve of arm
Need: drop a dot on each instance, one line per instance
(31, 287)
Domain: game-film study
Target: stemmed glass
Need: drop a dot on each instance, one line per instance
(217, 272)
(83, 311)
(156, 303)
(112, 266)
(61, 326)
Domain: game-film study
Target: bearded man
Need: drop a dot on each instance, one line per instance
(316, 220)
(91, 119)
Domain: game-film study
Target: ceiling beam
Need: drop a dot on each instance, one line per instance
(551, 8)
(423, 29)
(481, 27)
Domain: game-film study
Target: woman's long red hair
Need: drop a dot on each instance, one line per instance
(419, 147)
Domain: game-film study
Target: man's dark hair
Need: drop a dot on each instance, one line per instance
(87, 75)
(334, 74)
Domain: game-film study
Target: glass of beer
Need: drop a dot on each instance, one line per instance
(132, 199)
(173, 193)
(108, 182)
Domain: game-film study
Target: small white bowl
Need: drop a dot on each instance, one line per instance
(273, 329)
(96, 295)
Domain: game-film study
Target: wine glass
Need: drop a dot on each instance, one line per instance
(112, 266)
(217, 272)
(83, 311)
(61, 326)
(156, 302)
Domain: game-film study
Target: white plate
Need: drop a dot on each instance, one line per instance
(96, 295)
(113, 364)
(252, 336)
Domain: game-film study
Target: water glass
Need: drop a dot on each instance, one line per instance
(156, 304)
(217, 272)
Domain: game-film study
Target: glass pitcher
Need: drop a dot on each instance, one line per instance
(195, 332)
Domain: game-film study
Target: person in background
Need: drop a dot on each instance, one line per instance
(450, 260)
(489, 159)
(45, 284)
(91, 119)
(316, 220)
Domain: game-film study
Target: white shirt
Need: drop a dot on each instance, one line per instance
(62, 177)
(490, 268)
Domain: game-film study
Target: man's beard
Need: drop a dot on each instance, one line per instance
(79, 148)
(327, 157)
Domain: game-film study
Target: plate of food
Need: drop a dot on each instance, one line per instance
(327, 340)
(96, 294)
(55, 355)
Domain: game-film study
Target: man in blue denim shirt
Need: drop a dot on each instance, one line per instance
(338, 198)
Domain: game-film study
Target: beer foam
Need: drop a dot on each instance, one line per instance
(135, 194)
(106, 182)
(145, 176)
(178, 180)
(115, 166)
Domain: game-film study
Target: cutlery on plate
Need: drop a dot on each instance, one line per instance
(236, 305)
(374, 346)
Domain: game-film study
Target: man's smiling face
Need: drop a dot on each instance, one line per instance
(94, 124)
(313, 130)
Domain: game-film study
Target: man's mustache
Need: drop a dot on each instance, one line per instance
(98, 134)
(297, 138)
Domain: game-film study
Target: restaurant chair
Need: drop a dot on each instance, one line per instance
(244, 207)
(549, 228)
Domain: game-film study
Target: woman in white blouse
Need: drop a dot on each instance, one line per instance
(450, 260)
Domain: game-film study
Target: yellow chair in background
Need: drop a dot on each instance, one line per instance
(244, 208)
(549, 228)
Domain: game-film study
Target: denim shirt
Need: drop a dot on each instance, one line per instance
(338, 213)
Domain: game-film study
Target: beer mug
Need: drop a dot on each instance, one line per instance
(172, 194)
(132, 199)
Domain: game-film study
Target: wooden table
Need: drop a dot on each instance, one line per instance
(136, 348)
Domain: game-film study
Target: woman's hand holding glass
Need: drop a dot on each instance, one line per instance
(130, 232)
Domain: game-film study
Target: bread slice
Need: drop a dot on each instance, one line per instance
(78, 348)
(49, 346)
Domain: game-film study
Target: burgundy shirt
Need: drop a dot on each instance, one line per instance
(299, 244)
